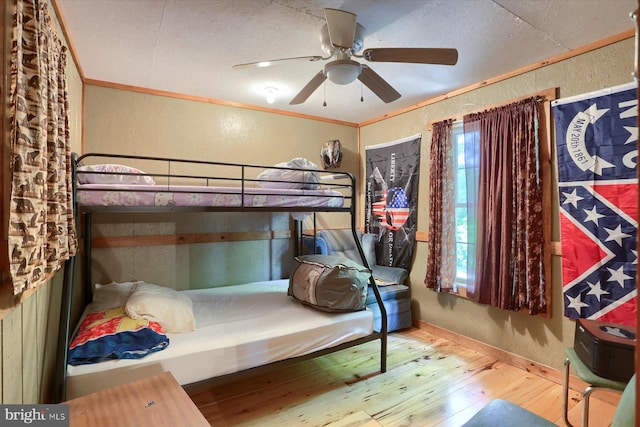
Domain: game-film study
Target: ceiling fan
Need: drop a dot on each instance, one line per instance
(341, 38)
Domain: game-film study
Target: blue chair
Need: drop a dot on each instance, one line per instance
(506, 414)
(394, 293)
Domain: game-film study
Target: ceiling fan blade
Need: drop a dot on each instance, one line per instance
(341, 26)
(378, 85)
(412, 55)
(310, 87)
(269, 63)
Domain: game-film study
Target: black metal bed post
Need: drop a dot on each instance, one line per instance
(64, 331)
(372, 282)
(87, 218)
(297, 230)
(315, 233)
(64, 324)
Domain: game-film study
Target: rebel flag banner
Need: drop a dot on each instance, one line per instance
(391, 200)
(596, 137)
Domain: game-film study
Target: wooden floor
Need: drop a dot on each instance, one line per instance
(429, 382)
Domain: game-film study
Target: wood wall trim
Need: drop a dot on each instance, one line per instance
(5, 149)
(213, 101)
(536, 65)
(186, 239)
(540, 64)
(422, 236)
(512, 359)
(8, 301)
(546, 181)
(555, 247)
(63, 25)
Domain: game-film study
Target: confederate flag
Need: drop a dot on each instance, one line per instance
(596, 137)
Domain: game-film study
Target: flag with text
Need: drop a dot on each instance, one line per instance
(391, 199)
(596, 141)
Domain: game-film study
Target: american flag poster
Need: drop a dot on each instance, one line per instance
(596, 136)
(391, 199)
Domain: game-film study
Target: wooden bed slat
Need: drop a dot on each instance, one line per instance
(187, 239)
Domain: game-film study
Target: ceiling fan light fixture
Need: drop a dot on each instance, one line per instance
(342, 71)
(271, 94)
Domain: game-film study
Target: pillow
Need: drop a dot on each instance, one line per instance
(290, 179)
(111, 334)
(329, 283)
(171, 309)
(111, 295)
(112, 174)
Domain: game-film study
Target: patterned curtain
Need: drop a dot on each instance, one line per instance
(509, 269)
(41, 226)
(441, 258)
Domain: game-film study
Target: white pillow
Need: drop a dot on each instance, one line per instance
(112, 174)
(171, 309)
(111, 295)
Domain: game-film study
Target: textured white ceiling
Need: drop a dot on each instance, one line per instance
(189, 46)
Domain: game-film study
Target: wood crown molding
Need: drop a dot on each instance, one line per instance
(561, 57)
(213, 101)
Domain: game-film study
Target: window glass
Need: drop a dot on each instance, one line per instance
(461, 211)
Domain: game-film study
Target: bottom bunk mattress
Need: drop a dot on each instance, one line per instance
(237, 328)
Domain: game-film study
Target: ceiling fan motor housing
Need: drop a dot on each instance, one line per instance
(329, 49)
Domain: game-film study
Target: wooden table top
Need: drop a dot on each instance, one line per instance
(153, 401)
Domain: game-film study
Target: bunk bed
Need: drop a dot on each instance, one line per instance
(249, 327)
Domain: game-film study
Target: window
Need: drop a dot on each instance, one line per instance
(461, 212)
(466, 179)
(486, 226)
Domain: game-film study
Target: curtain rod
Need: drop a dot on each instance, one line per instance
(546, 95)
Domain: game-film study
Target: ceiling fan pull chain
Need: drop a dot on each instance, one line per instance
(324, 104)
(361, 92)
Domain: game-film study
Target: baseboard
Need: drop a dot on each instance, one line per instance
(546, 372)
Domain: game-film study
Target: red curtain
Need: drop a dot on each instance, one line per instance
(441, 258)
(509, 269)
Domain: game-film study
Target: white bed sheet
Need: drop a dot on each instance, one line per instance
(237, 327)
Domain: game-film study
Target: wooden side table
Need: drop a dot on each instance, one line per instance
(153, 401)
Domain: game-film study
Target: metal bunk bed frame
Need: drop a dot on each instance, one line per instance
(85, 214)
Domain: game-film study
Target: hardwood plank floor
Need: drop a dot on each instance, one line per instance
(430, 381)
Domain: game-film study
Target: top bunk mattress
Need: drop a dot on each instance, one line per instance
(237, 328)
(203, 196)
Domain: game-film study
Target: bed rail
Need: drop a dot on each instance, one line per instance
(146, 184)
